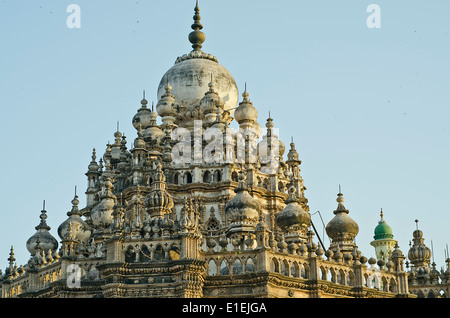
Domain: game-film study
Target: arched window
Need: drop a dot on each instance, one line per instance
(176, 178)
(234, 176)
(250, 265)
(207, 177)
(144, 254)
(274, 266)
(237, 266)
(158, 254)
(212, 268)
(130, 255)
(295, 270)
(188, 177)
(217, 176)
(224, 268)
(174, 252)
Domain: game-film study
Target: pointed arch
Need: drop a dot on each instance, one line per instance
(207, 177)
(250, 265)
(212, 268)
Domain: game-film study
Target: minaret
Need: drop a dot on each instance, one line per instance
(93, 175)
(383, 242)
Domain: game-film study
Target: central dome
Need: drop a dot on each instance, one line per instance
(189, 80)
(191, 74)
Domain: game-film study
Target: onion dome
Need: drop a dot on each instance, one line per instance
(79, 228)
(246, 113)
(292, 156)
(293, 215)
(102, 213)
(191, 73)
(382, 230)
(143, 115)
(153, 131)
(116, 147)
(93, 166)
(268, 145)
(342, 229)
(419, 254)
(167, 107)
(242, 211)
(158, 201)
(210, 101)
(42, 239)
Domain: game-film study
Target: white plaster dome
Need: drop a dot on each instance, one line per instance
(189, 80)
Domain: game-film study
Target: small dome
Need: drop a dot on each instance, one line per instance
(210, 101)
(102, 213)
(42, 239)
(93, 166)
(342, 227)
(242, 207)
(143, 116)
(383, 230)
(419, 254)
(293, 215)
(167, 105)
(80, 229)
(246, 112)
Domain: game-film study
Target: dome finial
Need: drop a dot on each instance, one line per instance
(197, 37)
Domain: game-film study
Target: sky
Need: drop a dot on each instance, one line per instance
(368, 108)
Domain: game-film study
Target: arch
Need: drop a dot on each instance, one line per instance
(130, 254)
(384, 284)
(176, 178)
(392, 285)
(340, 279)
(174, 252)
(258, 182)
(224, 267)
(323, 273)
(158, 254)
(188, 177)
(350, 278)
(213, 224)
(266, 184)
(285, 268)
(207, 177)
(217, 177)
(237, 266)
(144, 254)
(295, 270)
(234, 176)
(304, 272)
(212, 268)
(274, 267)
(250, 265)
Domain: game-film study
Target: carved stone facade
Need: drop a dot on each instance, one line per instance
(225, 224)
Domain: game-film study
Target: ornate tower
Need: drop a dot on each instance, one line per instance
(383, 242)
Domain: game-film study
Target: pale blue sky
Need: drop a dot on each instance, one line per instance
(368, 108)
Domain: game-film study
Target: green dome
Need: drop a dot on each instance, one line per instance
(382, 230)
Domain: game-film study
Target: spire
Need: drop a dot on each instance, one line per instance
(43, 224)
(144, 102)
(196, 37)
